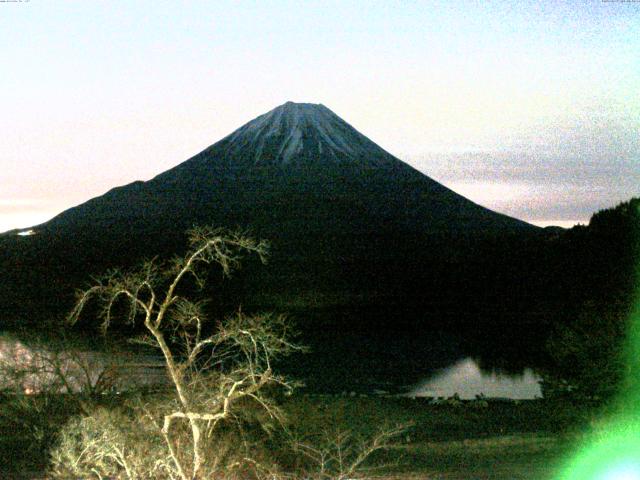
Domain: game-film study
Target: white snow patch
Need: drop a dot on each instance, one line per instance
(290, 121)
(292, 145)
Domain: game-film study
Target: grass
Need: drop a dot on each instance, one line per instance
(498, 441)
(523, 456)
(433, 422)
(505, 440)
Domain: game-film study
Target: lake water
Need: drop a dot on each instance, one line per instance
(466, 379)
(326, 371)
(37, 365)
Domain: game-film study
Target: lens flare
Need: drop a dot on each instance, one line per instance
(612, 451)
(610, 455)
(625, 471)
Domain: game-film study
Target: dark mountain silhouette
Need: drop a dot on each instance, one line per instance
(299, 164)
(350, 224)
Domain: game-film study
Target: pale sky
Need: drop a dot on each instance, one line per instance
(531, 108)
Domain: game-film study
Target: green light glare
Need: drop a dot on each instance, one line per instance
(612, 455)
(612, 451)
(629, 399)
(626, 471)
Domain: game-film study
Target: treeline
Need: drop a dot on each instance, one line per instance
(516, 297)
(596, 270)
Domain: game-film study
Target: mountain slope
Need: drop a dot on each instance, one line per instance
(292, 163)
(345, 217)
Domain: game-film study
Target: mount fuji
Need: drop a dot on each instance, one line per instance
(343, 215)
(297, 164)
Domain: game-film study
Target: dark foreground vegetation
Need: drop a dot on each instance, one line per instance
(216, 416)
(228, 413)
(469, 440)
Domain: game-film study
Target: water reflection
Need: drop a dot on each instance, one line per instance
(466, 379)
(63, 366)
(53, 365)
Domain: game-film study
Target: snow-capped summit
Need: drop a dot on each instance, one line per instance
(298, 166)
(344, 218)
(302, 132)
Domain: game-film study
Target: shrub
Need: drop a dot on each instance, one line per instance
(219, 417)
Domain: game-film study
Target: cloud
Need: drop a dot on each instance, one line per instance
(537, 186)
(13, 220)
(530, 168)
(24, 212)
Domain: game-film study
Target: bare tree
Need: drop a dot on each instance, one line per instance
(340, 455)
(61, 365)
(211, 369)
